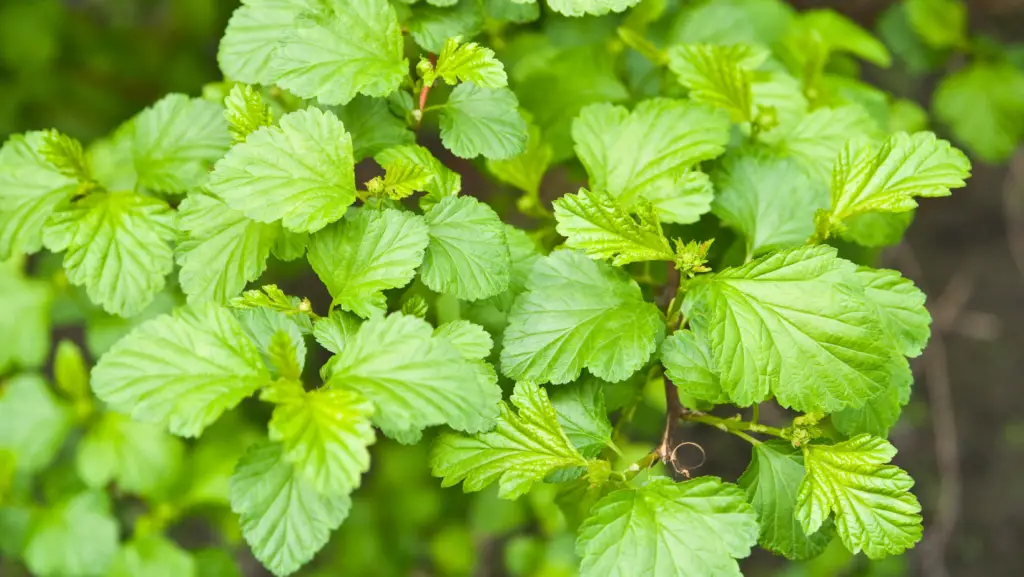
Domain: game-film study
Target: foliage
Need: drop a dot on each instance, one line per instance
(722, 177)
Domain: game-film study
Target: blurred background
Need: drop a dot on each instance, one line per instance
(84, 66)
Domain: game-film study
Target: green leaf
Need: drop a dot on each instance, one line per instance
(300, 173)
(402, 178)
(990, 123)
(112, 159)
(335, 330)
(253, 34)
(432, 26)
(30, 189)
(718, 75)
(278, 338)
(483, 121)
(888, 178)
(558, 84)
(70, 374)
(591, 7)
(526, 170)
(140, 457)
(367, 253)
(521, 450)
(66, 155)
(581, 413)
(597, 224)
(442, 182)
(469, 62)
(284, 520)
(471, 340)
(325, 434)
(875, 512)
(215, 563)
(664, 528)
(183, 369)
(222, 250)
(877, 229)
(795, 324)
(662, 137)
(25, 325)
(117, 246)
(373, 127)
(348, 47)
(732, 22)
(881, 413)
(177, 140)
(414, 379)
(246, 112)
(691, 366)
(840, 34)
(816, 140)
(579, 313)
(771, 482)
(152, 556)
(940, 23)
(900, 305)
(768, 199)
(468, 256)
(33, 422)
(76, 538)
(512, 11)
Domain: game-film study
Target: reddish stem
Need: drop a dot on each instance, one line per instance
(426, 87)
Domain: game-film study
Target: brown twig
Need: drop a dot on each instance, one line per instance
(947, 309)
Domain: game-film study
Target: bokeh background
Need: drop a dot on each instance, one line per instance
(84, 66)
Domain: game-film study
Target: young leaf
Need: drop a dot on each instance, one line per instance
(900, 305)
(246, 112)
(664, 528)
(30, 189)
(581, 413)
(521, 450)
(334, 331)
(278, 338)
(153, 556)
(662, 137)
(402, 178)
(222, 249)
(33, 422)
(771, 482)
(483, 121)
(887, 179)
(66, 154)
(414, 379)
(591, 7)
(469, 62)
(875, 512)
(718, 75)
(596, 223)
(300, 173)
(373, 127)
(70, 374)
(794, 324)
(254, 32)
(468, 256)
(183, 369)
(768, 199)
(284, 519)
(471, 340)
(140, 457)
(75, 537)
(325, 434)
(348, 47)
(176, 141)
(442, 182)
(117, 246)
(367, 253)
(579, 313)
(691, 366)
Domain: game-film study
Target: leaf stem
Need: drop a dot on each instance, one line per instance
(733, 425)
(425, 92)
